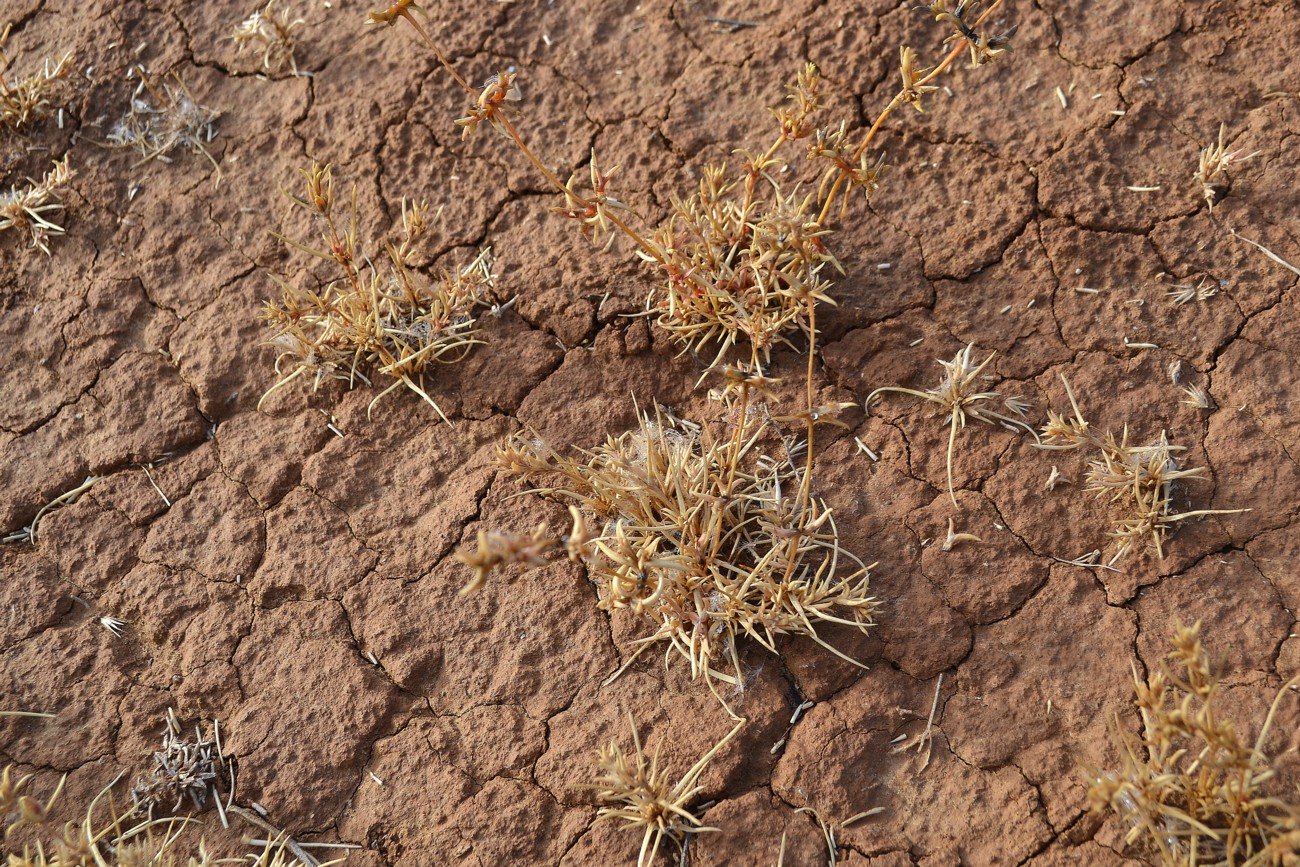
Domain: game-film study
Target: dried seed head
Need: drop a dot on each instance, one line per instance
(273, 35)
(1215, 160)
(1197, 397)
(113, 625)
(957, 394)
(805, 99)
(320, 188)
(913, 91)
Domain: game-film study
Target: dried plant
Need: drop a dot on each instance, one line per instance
(1137, 480)
(1189, 787)
(1183, 293)
(393, 320)
(182, 769)
(1197, 397)
(740, 260)
(983, 46)
(957, 395)
(1214, 161)
(98, 840)
(24, 100)
(274, 36)
(634, 789)
(708, 541)
(24, 210)
(706, 536)
(168, 119)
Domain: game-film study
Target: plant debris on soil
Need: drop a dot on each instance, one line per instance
(219, 525)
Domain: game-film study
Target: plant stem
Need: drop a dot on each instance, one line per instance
(943, 67)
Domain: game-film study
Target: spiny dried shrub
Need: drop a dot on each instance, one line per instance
(1137, 480)
(169, 118)
(957, 394)
(1189, 787)
(274, 36)
(182, 769)
(26, 99)
(390, 320)
(1214, 161)
(635, 790)
(707, 539)
(24, 209)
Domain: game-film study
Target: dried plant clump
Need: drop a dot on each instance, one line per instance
(24, 100)
(711, 538)
(634, 789)
(740, 260)
(1214, 161)
(743, 256)
(274, 36)
(183, 769)
(24, 210)
(958, 395)
(168, 119)
(706, 539)
(1189, 787)
(31, 839)
(1137, 480)
(390, 320)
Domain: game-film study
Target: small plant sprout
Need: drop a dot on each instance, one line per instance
(634, 789)
(1189, 788)
(24, 100)
(169, 118)
(24, 210)
(1137, 480)
(274, 36)
(1214, 161)
(957, 395)
(390, 320)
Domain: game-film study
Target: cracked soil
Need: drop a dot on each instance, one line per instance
(299, 586)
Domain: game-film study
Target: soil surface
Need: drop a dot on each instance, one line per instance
(299, 586)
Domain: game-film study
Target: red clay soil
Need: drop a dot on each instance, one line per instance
(299, 586)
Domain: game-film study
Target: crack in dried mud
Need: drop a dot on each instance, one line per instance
(418, 703)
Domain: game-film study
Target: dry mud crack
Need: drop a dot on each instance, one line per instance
(290, 572)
